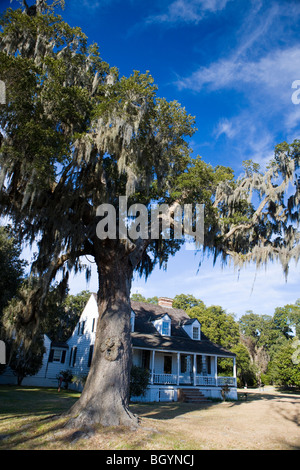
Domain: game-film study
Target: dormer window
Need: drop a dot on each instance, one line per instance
(163, 325)
(193, 328)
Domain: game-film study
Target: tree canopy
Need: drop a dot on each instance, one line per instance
(11, 266)
(76, 135)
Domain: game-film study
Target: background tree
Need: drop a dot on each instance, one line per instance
(26, 361)
(25, 346)
(11, 266)
(12, 271)
(140, 298)
(62, 315)
(187, 301)
(244, 368)
(76, 135)
(219, 326)
(284, 370)
(287, 319)
(137, 297)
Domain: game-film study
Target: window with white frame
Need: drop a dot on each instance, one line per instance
(57, 355)
(195, 332)
(165, 328)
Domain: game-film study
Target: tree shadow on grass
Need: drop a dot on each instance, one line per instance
(167, 410)
(29, 414)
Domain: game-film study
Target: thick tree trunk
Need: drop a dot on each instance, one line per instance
(105, 397)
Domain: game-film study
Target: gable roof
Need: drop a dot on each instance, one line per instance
(146, 336)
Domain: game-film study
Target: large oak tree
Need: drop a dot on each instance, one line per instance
(76, 135)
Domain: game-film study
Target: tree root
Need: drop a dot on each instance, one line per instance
(87, 418)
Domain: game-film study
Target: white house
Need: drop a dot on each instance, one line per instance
(165, 340)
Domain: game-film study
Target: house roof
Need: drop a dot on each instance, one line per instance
(145, 334)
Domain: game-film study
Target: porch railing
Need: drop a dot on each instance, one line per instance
(205, 380)
(231, 381)
(165, 379)
(202, 380)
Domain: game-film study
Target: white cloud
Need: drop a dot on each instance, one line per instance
(225, 126)
(236, 291)
(273, 73)
(262, 72)
(258, 62)
(192, 11)
(293, 119)
(247, 126)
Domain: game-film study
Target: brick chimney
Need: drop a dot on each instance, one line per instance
(165, 302)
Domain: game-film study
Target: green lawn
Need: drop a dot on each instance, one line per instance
(31, 418)
(28, 414)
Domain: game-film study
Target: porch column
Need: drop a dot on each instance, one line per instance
(178, 367)
(204, 366)
(216, 370)
(234, 369)
(152, 368)
(194, 370)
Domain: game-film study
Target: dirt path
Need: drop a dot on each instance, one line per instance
(267, 420)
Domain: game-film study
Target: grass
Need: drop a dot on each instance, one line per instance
(31, 418)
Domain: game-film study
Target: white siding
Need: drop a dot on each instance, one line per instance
(189, 329)
(83, 341)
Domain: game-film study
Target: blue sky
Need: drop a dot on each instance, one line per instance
(231, 63)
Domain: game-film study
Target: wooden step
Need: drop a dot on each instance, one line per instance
(191, 395)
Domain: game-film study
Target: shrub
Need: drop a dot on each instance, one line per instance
(139, 380)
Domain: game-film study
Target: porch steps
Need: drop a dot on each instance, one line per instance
(191, 395)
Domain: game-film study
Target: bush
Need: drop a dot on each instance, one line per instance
(65, 376)
(139, 380)
(79, 379)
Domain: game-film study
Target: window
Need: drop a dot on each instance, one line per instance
(80, 330)
(90, 355)
(165, 328)
(73, 356)
(199, 364)
(195, 332)
(208, 364)
(57, 355)
(146, 359)
(167, 364)
(94, 325)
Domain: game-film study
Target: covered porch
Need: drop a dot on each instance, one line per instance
(184, 368)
